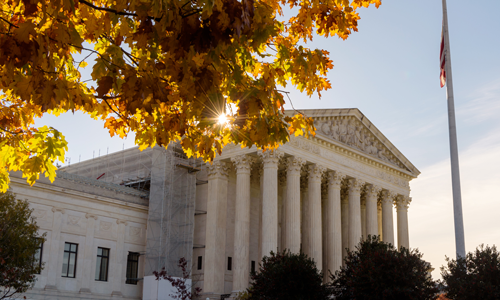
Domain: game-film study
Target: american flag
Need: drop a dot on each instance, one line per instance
(442, 56)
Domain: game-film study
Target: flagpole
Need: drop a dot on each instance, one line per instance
(455, 172)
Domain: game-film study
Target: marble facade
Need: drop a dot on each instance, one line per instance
(319, 194)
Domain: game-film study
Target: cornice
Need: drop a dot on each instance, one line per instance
(85, 196)
(351, 154)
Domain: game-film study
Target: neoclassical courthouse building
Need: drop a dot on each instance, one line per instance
(113, 220)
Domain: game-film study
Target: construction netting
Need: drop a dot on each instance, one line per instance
(170, 179)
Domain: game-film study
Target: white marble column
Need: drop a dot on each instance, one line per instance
(88, 253)
(324, 217)
(333, 222)
(260, 171)
(354, 212)
(379, 218)
(363, 218)
(387, 218)
(304, 213)
(315, 173)
(241, 271)
(281, 210)
(270, 201)
(119, 259)
(215, 240)
(371, 209)
(344, 211)
(55, 249)
(292, 204)
(402, 204)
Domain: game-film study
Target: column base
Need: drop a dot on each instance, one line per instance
(50, 287)
(85, 291)
(116, 294)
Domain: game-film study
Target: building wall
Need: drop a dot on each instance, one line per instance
(77, 207)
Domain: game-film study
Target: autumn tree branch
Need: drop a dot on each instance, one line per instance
(11, 24)
(121, 13)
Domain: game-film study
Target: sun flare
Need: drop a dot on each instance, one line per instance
(223, 119)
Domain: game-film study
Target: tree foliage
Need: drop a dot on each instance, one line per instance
(164, 69)
(287, 276)
(377, 270)
(477, 276)
(19, 241)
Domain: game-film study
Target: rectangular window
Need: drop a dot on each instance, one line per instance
(37, 257)
(101, 269)
(229, 263)
(69, 260)
(252, 268)
(199, 262)
(132, 268)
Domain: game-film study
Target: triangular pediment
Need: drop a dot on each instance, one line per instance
(349, 128)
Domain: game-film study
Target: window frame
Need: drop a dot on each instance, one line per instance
(200, 262)
(39, 251)
(129, 270)
(102, 256)
(69, 259)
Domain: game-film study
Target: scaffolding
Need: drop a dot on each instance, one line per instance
(169, 178)
(171, 211)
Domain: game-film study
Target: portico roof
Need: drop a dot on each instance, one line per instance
(350, 128)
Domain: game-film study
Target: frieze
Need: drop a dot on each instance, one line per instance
(353, 133)
(105, 226)
(134, 231)
(309, 146)
(306, 145)
(73, 220)
(39, 213)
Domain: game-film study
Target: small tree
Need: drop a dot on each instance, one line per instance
(184, 290)
(477, 276)
(377, 270)
(287, 276)
(19, 241)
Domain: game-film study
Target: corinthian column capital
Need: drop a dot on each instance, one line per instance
(372, 189)
(315, 172)
(218, 169)
(402, 202)
(335, 179)
(388, 196)
(282, 177)
(294, 164)
(355, 185)
(243, 163)
(271, 158)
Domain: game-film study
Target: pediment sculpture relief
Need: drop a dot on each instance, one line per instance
(353, 133)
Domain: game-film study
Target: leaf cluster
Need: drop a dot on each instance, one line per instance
(165, 69)
(476, 276)
(287, 276)
(376, 270)
(19, 240)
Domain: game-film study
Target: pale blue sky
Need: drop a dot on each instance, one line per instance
(390, 71)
